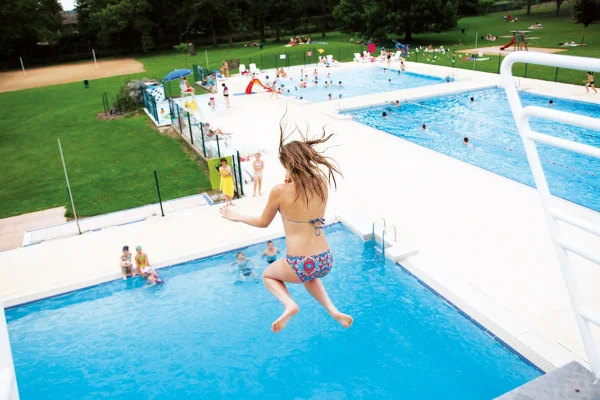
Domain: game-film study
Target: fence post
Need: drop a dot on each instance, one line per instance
(261, 62)
(154, 109)
(525, 70)
(190, 128)
(171, 109)
(235, 179)
(218, 147)
(499, 59)
(158, 191)
(240, 173)
(202, 134)
(179, 118)
(556, 75)
(416, 54)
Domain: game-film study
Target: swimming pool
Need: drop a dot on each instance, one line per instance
(355, 82)
(203, 336)
(489, 125)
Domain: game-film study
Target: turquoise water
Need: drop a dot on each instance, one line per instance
(204, 336)
(489, 125)
(355, 82)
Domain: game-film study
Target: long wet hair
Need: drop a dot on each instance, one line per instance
(304, 162)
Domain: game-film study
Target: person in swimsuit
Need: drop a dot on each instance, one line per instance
(212, 132)
(226, 94)
(590, 82)
(141, 259)
(225, 69)
(243, 266)
(226, 185)
(301, 201)
(151, 275)
(211, 83)
(258, 165)
(125, 261)
(271, 252)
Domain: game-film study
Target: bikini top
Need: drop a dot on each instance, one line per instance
(316, 223)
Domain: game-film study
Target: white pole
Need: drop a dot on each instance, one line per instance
(22, 66)
(206, 53)
(68, 186)
(94, 54)
(475, 58)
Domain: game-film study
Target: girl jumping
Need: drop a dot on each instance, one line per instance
(301, 201)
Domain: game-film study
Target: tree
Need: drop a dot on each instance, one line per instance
(586, 12)
(528, 7)
(558, 3)
(468, 7)
(23, 23)
(375, 20)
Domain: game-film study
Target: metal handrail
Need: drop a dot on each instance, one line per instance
(562, 245)
(373, 229)
(383, 236)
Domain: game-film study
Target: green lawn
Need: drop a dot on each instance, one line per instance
(111, 163)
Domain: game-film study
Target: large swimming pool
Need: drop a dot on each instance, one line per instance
(355, 82)
(204, 336)
(489, 125)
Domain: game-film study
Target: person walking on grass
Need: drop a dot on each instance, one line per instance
(590, 82)
(301, 201)
(226, 182)
(258, 165)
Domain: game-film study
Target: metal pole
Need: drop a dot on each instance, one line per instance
(556, 75)
(69, 186)
(235, 175)
(240, 173)
(22, 66)
(261, 61)
(158, 191)
(202, 132)
(525, 76)
(190, 128)
(218, 147)
(499, 59)
(94, 54)
(179, 118)
(207, 66)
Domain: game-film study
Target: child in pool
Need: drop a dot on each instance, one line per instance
(152, 276)
(271, 252)
(245, 270)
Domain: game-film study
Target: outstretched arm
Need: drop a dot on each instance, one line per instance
(263, 220)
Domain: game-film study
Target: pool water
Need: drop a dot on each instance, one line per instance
(203, 335)
(355, 82)
(489, 125)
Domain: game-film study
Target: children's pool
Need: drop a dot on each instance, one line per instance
(489, 125)
(202, 335)
(355, 82)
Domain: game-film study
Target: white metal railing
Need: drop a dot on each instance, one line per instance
(562, 244)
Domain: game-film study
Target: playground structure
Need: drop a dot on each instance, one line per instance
(156, 104)
(256, 82)
(401, 47)
(518, 41)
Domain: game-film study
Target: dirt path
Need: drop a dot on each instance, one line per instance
(48, 76)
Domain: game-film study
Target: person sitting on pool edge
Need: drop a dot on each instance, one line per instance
(271, 252)
(141, 259)
(126, 266)
(245, 270)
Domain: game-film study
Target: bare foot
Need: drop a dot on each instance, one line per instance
(343, 319)
(282, 321)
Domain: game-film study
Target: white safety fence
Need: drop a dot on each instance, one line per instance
(562, 244)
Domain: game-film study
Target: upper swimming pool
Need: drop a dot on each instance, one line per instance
(355, 82)
(489, 125)
(201, 335)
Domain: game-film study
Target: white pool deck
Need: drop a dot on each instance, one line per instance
(482, 239)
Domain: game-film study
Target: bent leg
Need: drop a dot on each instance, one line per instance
(317, 290)
(274, 277)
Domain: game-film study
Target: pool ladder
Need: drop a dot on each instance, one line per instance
(563, 245)
(385, 228)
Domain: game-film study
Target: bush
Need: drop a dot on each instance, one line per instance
(129, 98)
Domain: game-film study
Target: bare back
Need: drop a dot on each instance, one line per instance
(301, 239)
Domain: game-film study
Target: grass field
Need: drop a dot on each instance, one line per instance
(111, 163)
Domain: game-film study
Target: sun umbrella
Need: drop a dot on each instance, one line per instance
(177, 74)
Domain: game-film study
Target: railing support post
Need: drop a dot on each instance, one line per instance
(158, 191)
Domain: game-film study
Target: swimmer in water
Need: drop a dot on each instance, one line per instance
(472, 99)
(271, 252)
(329, 96)
(389, 80)
(244, 267)
(423, 126)
(551, 102)
(326, 84)
(385, 70)
(397, 103)
(340, 83)
(384, 114)
(466, 142)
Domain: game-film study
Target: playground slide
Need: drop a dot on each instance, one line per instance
(255, 81)
(512, 41)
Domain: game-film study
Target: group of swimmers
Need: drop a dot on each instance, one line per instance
(247, 267)
(142, 267)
